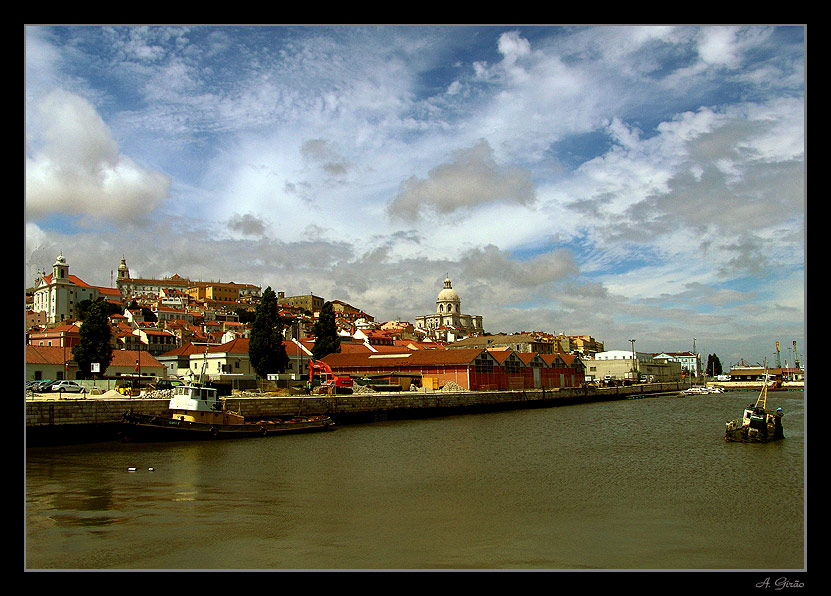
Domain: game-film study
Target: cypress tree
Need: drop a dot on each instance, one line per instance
(265, 348)
(95, 336)
(327, 340)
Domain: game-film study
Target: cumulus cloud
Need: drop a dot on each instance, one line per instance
(470, 179)
(323, 154)
(247, 224)
(75, 166)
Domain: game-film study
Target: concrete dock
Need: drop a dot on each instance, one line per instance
(78, 418)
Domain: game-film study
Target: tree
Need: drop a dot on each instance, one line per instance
(95, 336)
(265, 348)
(327, 340)
(713, 365)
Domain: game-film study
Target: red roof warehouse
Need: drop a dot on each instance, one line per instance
(474, 369)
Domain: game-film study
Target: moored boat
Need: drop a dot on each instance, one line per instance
(693, 391)
(757, 424)
(713, 389)
(197, 412)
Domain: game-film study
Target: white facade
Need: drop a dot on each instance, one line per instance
(623, 355)
(58, 295)
(449, 314)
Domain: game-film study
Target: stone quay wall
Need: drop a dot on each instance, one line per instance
(97, 416)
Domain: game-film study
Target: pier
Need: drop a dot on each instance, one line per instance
(50, 420)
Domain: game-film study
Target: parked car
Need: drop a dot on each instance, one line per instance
(44, 385)
(66, 387)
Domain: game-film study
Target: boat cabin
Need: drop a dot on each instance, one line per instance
(197, 403)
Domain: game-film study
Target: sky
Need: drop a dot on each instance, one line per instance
(621, 182)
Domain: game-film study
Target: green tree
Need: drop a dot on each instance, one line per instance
(107, 307)
(327, 340)
(265, 348)
(713, 365)
(95, 336)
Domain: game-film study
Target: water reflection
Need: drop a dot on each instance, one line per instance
(641, 484)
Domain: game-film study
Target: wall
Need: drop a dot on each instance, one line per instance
(93, 415)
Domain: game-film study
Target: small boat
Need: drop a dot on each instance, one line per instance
(196, 412)
(701, 390)
(694, 391)
(757, 424)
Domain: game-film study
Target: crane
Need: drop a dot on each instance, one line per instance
(329, 381)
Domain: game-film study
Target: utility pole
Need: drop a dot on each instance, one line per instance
(695, 361)
(634, 376)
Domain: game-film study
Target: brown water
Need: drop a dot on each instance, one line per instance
(637, 484)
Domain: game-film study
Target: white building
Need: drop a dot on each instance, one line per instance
(618, 365)
(59, 293)
(449, 314)
(689, 361)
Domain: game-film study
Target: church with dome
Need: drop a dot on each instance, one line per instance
(449, 317)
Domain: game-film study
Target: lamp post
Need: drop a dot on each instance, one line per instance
(634, 377)
(694, 363)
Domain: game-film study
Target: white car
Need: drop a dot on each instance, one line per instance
(67, 387)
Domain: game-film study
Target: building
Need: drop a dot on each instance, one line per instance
(474, 369)
(757, 373)
(52, 362)
(58, 336)
(690, 362)
(582, 344)
(449, 315)
(518, 342)
(208, 291)
(308, 302)
(58, 294)
(619, 365)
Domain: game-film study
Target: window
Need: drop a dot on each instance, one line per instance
(483, 364)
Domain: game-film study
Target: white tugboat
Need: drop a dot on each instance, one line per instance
(197, 412)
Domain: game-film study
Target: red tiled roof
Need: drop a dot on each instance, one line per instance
(186, 350)
(58, 355)
(461, 357)
(236, 346)
(47, 355)
(129, 357)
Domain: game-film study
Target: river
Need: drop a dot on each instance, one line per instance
(637, 484)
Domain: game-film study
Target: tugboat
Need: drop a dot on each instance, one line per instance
(197, 412)
(757, 424)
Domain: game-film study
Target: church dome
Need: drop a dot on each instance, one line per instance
(448, 294)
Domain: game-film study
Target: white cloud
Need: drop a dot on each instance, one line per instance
(583, 179)
(77, 168)
(471, 178)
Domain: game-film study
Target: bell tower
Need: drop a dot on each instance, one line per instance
(123, 271)
(60, 270)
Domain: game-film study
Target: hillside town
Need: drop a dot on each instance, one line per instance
(177, 328)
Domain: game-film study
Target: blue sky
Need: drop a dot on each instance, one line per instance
(619, 182)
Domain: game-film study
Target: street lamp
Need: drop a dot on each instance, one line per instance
(694, 363)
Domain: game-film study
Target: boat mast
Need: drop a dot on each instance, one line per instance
(763, 395)
(204, 365)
